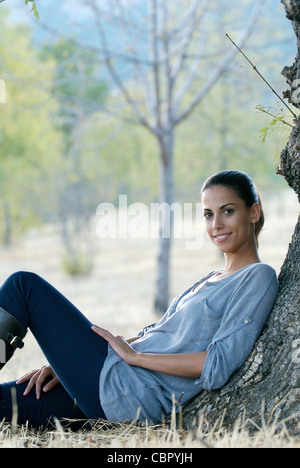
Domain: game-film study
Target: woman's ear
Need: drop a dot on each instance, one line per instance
(255, 213)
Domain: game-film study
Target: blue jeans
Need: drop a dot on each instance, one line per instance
(74, 351)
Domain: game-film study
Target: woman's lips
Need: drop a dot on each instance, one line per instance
(222, 237)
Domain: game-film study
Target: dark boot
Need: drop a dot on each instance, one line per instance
(11, 336)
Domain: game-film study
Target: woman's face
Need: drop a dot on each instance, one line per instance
(230, 224)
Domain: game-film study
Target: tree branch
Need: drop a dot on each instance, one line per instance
(262, 77)
(154, 54)
(222, 66)
(193, 21)
(113, 72)
(168, 68)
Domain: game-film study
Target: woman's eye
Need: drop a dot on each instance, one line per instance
(228, 211)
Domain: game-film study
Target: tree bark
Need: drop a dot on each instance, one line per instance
(266, 389)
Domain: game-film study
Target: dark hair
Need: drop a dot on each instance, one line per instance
(244, 187)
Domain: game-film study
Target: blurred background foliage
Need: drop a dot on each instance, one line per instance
(62, 152)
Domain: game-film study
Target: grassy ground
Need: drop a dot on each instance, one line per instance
(130, 436)
(118, 296)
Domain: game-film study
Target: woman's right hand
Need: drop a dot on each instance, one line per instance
(37, 378)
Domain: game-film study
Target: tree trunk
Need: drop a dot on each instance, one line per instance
(161, 301)
(267, 387)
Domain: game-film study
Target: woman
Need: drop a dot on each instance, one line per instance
(206, 334)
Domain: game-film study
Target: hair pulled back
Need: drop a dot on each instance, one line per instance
(244, 187)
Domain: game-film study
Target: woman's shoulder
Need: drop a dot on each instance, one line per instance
(262, 268)
(254, 283)
(261, 273)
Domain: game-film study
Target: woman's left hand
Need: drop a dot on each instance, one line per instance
(37, 378)
(118, 344)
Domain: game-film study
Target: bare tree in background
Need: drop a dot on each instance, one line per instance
(165, 52)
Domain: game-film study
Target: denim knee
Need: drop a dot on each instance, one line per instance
(20, 276)
(14, 294)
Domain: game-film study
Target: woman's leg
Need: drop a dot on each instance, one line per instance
(40, 413)
(73, 350)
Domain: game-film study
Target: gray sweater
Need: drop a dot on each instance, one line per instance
(224, 318)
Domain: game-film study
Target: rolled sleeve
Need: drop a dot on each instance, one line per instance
(227, 355)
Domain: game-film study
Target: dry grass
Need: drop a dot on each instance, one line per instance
(122, 436)
(118, 295)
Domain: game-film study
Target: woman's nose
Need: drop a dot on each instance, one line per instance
(217, 222)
